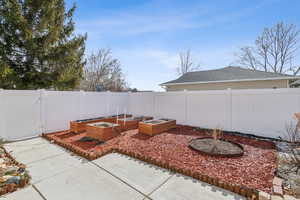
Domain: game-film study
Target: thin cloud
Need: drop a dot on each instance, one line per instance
(143, 20)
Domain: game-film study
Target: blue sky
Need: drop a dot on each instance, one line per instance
(147, 36)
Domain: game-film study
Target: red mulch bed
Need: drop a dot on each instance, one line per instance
(255, 169)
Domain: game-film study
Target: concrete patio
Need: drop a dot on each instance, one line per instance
(58, 174)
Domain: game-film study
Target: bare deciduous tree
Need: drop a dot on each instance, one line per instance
(103, 72)
(274, 50)
(186, 63)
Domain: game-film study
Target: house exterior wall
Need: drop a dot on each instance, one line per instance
(233, 85)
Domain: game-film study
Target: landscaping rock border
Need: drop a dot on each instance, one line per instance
(18, 181)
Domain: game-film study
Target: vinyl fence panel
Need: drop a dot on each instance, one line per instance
(93, 104)
(209, 109)
(264, 112)
(117, 103)
(141, 103)
(21, 114)
(171, 105)
(60, 107)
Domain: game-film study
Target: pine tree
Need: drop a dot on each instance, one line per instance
(38, 47)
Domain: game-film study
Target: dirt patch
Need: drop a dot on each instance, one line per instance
(154, 121)
(217, 148)
(86, 145)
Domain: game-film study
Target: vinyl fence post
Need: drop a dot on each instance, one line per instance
(185, 107)
(154, 105)
(81, 104)
(2, 114)
(42, 110)
(230, 108)
(108, 99)
(128, 105)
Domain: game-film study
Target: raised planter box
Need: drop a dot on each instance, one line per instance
(79, 126)
(102, 131)
(153, 127)
(132, 122)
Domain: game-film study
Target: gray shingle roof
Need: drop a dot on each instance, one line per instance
(226, 74)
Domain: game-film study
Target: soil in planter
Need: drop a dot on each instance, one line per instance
(216, 148)
(165, 119)
(142, 118)
(138, 118)
(103, 124)
(154, 121)
(87, 143)
(90, 119)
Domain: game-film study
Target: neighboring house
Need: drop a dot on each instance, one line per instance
(229, 77)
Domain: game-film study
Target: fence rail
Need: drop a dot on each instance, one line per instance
(265, 112)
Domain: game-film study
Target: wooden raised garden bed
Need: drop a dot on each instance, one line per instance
(132, 122)
(102, 131)
(79, 126)
(153, 127)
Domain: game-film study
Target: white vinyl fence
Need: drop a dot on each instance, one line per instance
(28, 113)
(265, 112)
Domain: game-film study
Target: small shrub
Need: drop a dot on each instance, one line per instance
(293, 137)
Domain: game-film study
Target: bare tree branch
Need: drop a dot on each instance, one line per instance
(274, 50)
(186, 63)
(103, 71)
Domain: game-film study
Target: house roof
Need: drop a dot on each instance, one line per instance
(227, 74)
